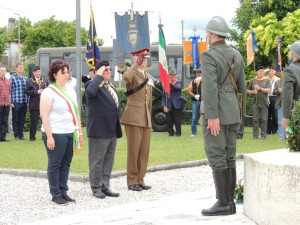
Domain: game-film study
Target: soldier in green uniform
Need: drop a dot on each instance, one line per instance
(259, 87)
(291, 83)
(220, 112)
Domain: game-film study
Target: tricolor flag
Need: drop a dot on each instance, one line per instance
(251, 47)
(92, 49)
(163, 63)
(278, 65)
(131, 12)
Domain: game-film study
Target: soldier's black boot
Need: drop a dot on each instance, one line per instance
(223, 206)
(232, 183)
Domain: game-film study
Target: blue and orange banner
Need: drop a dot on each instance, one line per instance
(188, 50)
(278, 65)
(92, 49)
(251, 47)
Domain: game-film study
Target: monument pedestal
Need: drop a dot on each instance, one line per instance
(272, 187)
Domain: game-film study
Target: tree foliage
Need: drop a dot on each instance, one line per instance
(25, 25)
(51, 33)
(3, 41)
(269, 19)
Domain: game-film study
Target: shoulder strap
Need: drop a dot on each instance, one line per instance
(136, 89)
(229, 72)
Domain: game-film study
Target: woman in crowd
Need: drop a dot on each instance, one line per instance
(61, 129)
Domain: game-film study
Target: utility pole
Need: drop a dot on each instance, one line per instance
(19, 37)
(78, 55)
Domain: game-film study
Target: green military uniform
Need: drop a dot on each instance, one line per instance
(222, 73)
(260, 104)
(220, 101)
(291, 88)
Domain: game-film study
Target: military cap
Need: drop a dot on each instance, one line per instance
(143, 51)
(36, 68)
(100, 64)
(295, 48)
(172, 71)
(260, 68)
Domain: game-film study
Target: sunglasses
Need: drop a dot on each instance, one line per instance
(108, 69)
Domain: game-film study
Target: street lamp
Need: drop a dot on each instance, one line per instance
(19, 36)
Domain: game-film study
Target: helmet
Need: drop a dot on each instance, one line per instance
(295, 48)
(218, 25)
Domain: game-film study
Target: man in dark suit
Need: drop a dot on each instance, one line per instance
(103, 129)
(34, 87)
(174, 104)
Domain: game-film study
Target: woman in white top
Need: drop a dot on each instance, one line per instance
(61, 128)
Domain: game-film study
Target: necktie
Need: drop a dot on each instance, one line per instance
(111, 93)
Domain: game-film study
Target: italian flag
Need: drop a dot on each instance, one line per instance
(163, 63)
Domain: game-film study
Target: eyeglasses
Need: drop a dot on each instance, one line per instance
(108, 69)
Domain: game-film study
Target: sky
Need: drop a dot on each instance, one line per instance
(193, 13)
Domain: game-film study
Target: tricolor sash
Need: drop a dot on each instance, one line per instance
(74, 111)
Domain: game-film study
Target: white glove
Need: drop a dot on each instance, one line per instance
(197, 79)
(197, 97)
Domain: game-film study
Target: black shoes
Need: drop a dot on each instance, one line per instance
(68, 198)
(134, 187)
(138, 187)
(99, 194)
(239, 136)
(219, 210)
(109, 193)
(59, 200)
(4, 140)
(144, 187)
(32, 139)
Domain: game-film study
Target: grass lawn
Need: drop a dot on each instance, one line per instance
(164, 150)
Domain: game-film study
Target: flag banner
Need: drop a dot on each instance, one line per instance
(254, 43)
(188, 50)
(195, 52)
(163, 63)
(132, 35)
(250, 53)
(92, 49)
(278, 65)
(251, 47)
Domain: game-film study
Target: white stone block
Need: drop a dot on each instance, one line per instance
(272, 187)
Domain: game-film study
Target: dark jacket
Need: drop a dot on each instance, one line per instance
(175, 96)
(32, 87)
(103, 114)
(291, 88)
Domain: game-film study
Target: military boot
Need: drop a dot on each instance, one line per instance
(223, 206)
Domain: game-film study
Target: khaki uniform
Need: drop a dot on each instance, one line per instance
(220, 101)
(259, 106)
(137, 121)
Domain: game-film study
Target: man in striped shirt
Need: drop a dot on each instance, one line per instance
(19, 101)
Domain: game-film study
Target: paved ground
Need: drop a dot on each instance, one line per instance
(177, 197)
(178, 209)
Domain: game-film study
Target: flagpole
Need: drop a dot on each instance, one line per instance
(78, 55)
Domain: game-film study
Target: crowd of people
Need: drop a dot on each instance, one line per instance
(214, 97)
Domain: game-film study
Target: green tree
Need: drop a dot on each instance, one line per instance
(25, 25)
(268, 18)
(52, 33)
(3, 41)
(280, 8)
